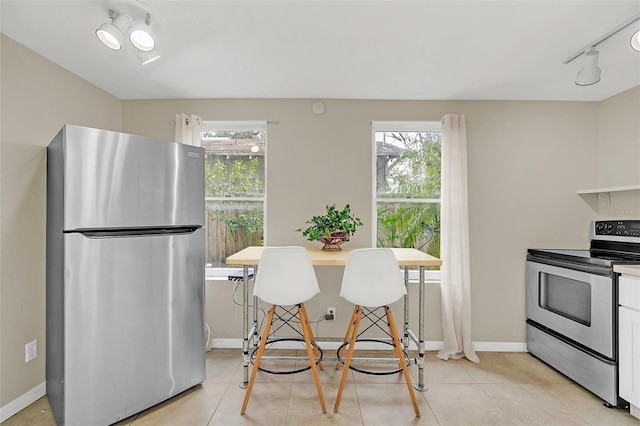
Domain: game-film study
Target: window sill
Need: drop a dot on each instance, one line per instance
(223, 274)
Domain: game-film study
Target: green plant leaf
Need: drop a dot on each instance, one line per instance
(333, 221)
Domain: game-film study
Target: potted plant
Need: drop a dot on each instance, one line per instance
(333, 228)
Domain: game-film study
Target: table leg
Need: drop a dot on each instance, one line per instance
(245, 326)
(405, 337)
(420, 361)
(254, 329)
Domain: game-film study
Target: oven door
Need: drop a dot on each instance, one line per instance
(577, 304)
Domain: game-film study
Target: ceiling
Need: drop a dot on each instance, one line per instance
(394, 49)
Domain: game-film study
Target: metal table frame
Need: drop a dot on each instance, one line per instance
(407, 258)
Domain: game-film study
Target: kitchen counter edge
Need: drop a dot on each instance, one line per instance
(627, 269)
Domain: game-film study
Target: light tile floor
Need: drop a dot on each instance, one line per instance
(503, 389)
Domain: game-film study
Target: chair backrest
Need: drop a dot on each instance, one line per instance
(372, 278)
(285, 276)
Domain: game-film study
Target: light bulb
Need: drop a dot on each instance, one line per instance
(635, 41)
(110, 33)
(142, 40)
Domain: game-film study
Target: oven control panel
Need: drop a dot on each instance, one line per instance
(622, 228)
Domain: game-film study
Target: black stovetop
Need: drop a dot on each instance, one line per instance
(601, 253)
(612, 242)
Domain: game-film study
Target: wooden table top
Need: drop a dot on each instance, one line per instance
(405, 256)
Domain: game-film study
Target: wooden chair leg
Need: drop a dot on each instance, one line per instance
(306, 330)
(256, 365)
(312, 338)
(346, 336)
(400, 355)
(357, 313)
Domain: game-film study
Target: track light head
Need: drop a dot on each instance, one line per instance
(635, 41)
(590, 72)
(130, 19)
(146, 58)
(111, 34)
(142, 36)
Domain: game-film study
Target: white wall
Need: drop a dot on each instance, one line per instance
(526, 161)
(38, 98)
(619, 154)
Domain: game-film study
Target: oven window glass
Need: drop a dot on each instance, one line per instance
(566, 297)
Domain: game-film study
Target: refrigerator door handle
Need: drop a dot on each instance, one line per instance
(137, 232)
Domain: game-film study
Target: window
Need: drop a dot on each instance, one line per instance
(407, 185)
(234, 188)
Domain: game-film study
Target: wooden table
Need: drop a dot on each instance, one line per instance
(407, 258)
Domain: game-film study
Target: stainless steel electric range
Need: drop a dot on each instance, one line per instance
(572, 306)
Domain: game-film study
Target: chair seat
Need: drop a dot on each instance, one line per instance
(372, 278)
(285, 276)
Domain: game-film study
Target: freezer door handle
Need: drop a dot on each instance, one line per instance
(136, 232)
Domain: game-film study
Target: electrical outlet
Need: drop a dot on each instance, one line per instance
(331, 314)
(30, 351)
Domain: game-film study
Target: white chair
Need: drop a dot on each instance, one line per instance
(285, 277)
(372, 279)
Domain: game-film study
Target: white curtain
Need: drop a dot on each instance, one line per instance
(188, 128)
(454, 246)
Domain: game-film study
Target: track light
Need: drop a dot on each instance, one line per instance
(142, 37)
(590, 72)
(635, 41)
(148, 57)
(111, 33)
(133, 19)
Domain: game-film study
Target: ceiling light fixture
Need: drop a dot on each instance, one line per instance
(148, 57)
(590, 72)
(111, 34)
(635, 41)
(142, 37)
(133, 19)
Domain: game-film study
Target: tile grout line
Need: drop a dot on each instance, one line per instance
(226, 389)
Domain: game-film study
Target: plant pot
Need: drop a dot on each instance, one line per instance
(333, 242)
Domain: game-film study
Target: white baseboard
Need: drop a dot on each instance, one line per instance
(23, 401)
(428, 345)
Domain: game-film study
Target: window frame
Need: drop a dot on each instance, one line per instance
(399, 126)
(239, 126)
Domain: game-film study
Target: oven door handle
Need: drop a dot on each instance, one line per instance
(597, 270)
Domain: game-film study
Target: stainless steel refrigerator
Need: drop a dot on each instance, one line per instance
(125, 273)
